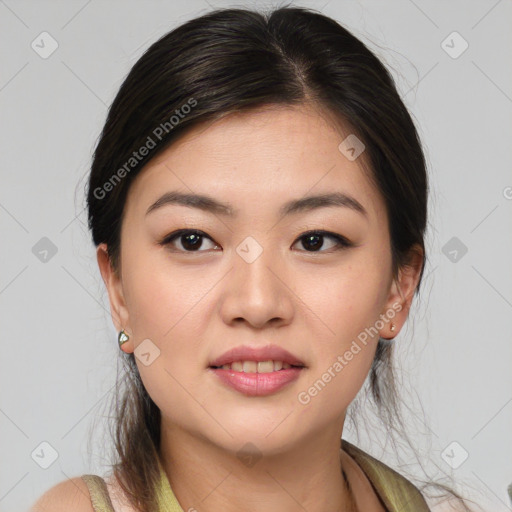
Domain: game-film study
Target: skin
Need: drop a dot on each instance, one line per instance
(195, 305)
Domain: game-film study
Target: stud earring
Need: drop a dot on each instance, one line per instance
(122, 337)
(392, 329)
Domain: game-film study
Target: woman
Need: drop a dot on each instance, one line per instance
(258, 199)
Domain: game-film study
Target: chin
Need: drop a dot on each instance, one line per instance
(256, 435)
(248, 448)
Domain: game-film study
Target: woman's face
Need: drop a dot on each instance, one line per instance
(254, 278)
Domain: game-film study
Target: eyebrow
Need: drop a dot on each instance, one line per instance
(209, 204)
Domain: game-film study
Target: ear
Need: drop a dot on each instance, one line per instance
(401, 293)
(114, 285)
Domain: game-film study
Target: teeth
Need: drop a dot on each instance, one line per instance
(250, 366)
(265, 366)
(237, 367)
(256, 367)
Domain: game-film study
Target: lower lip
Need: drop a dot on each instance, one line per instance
(257, 384)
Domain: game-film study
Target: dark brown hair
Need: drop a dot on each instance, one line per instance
(236, 60)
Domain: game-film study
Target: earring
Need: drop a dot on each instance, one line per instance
(122, 337)
(392, 328)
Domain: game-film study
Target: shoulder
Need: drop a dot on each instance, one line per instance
(377, 468)
(72, 494)
(396, 491)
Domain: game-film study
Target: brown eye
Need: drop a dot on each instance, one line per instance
(314, 240)
(190, 240)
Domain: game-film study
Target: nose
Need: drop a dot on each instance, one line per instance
(258, 292)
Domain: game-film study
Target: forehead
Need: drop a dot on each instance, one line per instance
(259, 159)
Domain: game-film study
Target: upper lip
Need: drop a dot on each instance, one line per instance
(246, 353)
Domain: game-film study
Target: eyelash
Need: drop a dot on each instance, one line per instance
(342, 242)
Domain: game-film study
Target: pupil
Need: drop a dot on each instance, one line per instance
(313, 237)
(191, 245)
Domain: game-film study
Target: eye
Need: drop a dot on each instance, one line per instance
(314, 240)
(191, 240)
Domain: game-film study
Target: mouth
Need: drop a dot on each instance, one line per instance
(257, 378)
(268, 366)
(247, 359)
(257, 371)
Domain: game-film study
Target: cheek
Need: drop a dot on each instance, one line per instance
(348, 307)
(157, 296)
(166, 307)
(153, 305)
(348, 300)
(161, 312)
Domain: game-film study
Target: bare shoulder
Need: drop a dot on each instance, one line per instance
(72, 494)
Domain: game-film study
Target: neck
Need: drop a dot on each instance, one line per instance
(204, 476)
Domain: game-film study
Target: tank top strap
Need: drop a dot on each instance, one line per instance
(100, 498)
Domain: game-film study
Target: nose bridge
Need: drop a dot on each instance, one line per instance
(258, 292)
(255, 265)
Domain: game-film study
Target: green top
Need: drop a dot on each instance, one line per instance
(396, 492)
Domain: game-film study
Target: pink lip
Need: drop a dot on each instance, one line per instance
(257, 384)
(245, 353)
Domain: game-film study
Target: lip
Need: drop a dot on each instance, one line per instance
(257, 384)
(246, 353)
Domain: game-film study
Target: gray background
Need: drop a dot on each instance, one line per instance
(58, 345)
